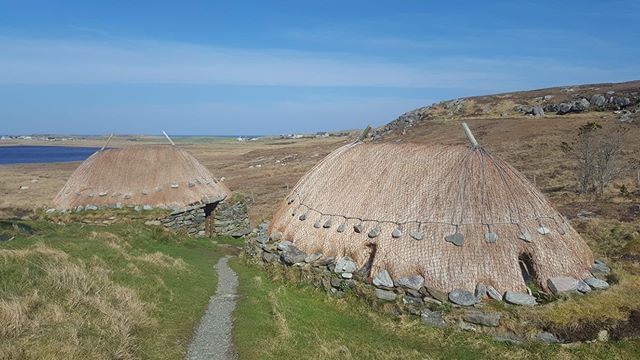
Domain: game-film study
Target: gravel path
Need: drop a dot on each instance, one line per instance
(212, 340)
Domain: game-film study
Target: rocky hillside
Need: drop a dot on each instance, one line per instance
(621, 100)
(528, 129)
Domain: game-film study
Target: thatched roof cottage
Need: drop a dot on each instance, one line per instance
(455, 215)
(149, 176)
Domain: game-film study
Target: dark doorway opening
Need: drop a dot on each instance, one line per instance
(209, 226)
(365, 270)
(526, 268)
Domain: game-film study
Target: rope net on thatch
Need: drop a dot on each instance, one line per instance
(456, 215)
(156, 175)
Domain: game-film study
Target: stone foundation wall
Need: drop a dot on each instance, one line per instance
(228, 219)
(405, 296)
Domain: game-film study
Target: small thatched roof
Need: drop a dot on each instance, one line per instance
(156, 175)
(456, 215)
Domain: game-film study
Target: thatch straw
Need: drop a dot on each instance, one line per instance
(156, 175)
(436, 191)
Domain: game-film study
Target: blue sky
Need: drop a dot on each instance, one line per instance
(271, 67)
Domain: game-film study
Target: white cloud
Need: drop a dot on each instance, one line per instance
(29, 61)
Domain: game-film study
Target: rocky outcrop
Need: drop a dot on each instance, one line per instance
(402, 123)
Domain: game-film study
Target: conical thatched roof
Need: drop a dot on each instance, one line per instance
(461, 216)
(156, 175)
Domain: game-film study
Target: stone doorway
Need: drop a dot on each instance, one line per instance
(209, 225)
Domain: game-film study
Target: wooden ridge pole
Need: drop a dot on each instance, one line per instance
(168, 138)
(472, 139)
(107, 143)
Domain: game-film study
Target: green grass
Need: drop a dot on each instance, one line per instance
(276, 319)
(121, 291)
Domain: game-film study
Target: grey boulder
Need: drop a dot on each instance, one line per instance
(345, 264)
(462, 297)
(620, 101)
(537, 111)
(293, 255)
(561, 284)
(490, 319)
(519, 299)
(385, 295)
(564, 108)
(547, 338)
(600, 267)
(583, 287)
(580, 105)
(598, 100)
(283, 245)
(383, 279)
(411, 282)
(493, 293)
(596, 284)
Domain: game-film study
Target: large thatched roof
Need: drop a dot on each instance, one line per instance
(156, 175)
(456, 215)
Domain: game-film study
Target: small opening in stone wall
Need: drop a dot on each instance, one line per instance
(209, 226)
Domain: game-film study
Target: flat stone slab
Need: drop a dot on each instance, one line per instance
(345, 264)
(600, 267)
(283, 245)
(462, 297)
(583, 287)
(516, 298)
(410, 282)
(293, 255)
(433, 318)
(312, 257)
(437, 294)
(383, 279)
(385, 295)
(491, 319)
(596, 284)
(493, 293)
(561, 284)
(547, 338)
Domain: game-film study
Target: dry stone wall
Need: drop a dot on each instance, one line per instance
(190, 219)
(228, 219)
(404, 296)
(231, 219)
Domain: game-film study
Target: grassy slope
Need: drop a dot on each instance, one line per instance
(276, 320)
(122, 291)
